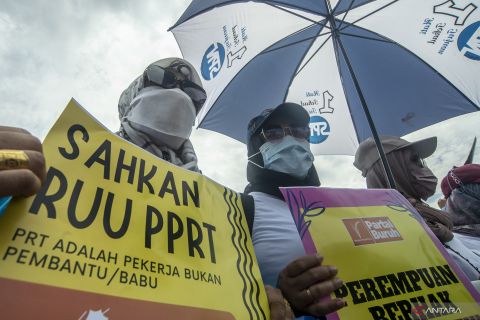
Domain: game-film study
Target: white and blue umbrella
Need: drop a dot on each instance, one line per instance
(406, 64)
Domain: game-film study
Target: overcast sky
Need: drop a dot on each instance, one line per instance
(52, 50)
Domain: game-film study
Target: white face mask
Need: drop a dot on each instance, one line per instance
(289, 155)
(165, 116)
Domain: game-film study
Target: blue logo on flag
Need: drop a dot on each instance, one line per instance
(319, 129)
(212, 61)
(469, 41)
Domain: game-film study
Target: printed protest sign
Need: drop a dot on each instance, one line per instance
(392, 266)
(117, 233)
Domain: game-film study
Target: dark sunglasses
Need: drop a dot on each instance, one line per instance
(158, 76)
(278, 133)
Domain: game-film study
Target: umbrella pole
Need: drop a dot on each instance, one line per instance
(381, 152)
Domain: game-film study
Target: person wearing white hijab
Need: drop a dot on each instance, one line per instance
(158, 109)
(157, 112)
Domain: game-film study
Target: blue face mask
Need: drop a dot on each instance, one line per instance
(289, 155)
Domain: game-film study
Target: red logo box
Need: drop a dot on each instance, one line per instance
(371, 230)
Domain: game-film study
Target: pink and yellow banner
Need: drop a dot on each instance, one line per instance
(392, 266)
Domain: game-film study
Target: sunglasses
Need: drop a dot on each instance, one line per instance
(277, 133)
(158, 76)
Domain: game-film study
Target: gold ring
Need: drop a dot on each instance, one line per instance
(13, 159)
(309, 294)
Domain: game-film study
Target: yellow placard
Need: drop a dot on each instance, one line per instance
(117, 232)
(391, 265)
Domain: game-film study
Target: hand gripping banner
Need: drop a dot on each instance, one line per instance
(392, 265)
(116, 233)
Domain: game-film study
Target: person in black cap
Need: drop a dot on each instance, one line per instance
(416, 182)
(279, 156)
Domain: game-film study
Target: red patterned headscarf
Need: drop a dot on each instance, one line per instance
(468, 173)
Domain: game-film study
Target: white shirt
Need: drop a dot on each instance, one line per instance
(471, 242)
(275, 237)
(460, 254)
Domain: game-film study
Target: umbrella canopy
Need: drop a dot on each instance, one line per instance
(406, 63)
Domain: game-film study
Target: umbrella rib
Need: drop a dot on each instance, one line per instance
(346, 13)
(386, 40)
(300, 62)
(294, 13)
(366, 2)
(296, 42)
(313, 55)
(373, 12)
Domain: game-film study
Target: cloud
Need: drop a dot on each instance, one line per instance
(455, 138)
(89, 50)
(222, 159)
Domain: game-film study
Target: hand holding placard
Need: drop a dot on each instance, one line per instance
(304, 282)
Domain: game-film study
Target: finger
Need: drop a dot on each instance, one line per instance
(315, 275)
(20, 182)
(19, 141)
(325, 307)
(316, 292)
(277, 310)
(16, 159)
(325, 288)
(290, 315)
(302, 264)
(37, 164)
(276, 303)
